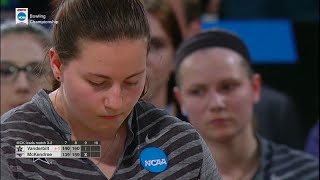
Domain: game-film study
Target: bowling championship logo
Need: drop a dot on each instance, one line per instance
(22, 16)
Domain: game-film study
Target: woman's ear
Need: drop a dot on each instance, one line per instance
(256, 87)
(56, 64)
(178, 94)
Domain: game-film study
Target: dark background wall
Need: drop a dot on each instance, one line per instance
(300, 80)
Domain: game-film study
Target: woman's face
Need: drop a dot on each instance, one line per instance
(217, 93)
(160, 58)
(101, 86)
(19, 51)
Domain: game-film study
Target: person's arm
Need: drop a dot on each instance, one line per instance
(209, 168)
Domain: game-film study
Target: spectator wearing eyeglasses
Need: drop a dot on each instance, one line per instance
(22, 51)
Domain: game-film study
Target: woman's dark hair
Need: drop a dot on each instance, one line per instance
(96, 20)
(163, 12)
(38, 32)
(213, 38)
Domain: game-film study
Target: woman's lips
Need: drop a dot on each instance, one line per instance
(111, 117)
(218, 121)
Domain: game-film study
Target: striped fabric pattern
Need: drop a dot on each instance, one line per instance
(189, 157)
(279, 162)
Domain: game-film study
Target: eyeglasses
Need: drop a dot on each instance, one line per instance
(10, 71)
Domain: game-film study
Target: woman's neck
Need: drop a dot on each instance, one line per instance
(112, 140)
(79, 130)
(112, 150)
(237, 157)
(111, 153)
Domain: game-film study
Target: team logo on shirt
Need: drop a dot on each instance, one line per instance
(149, 141)
(153, 159)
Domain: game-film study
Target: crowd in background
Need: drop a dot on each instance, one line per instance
(278, 115)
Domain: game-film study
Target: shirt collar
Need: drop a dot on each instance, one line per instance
(265, 157)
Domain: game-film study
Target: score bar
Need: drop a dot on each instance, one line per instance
(74, 149)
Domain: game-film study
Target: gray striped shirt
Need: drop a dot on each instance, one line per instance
(279, 162)
(188, 156)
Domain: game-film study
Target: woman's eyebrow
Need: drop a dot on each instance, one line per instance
(99, 75)
(107, 77)
(135, 74)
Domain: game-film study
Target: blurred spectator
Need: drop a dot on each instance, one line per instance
(211, 10)
(312, 143)
(275, 111)
(22, 51)
(165, 37)
(218, 89)
(188, 13)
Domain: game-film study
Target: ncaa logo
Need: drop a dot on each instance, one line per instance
(22, 16)
(154, 159)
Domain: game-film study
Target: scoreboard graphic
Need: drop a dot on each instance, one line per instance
(49, 149)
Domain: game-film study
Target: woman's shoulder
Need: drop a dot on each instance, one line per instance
(148, 115)
(20, 113)
(180, 142)
(158, 127)
(288, 162)
(26, 122)
(281, 150)
(31, 112)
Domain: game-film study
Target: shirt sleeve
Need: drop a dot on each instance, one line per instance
(209, 170)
